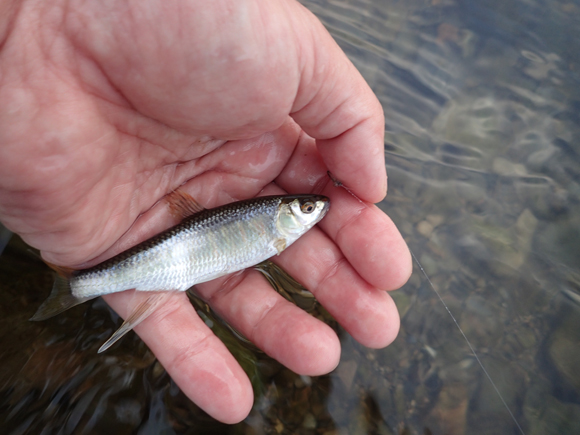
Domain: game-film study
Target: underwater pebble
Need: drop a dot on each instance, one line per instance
(309, 422)
(346, 371)
(435, 219)
(425, 228)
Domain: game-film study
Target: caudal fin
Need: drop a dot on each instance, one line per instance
(60, 299)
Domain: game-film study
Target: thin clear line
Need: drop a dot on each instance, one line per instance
(469, 344)
(338, 183)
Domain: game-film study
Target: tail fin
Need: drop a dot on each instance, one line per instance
(60, 299)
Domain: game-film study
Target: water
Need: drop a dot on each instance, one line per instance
(482, 103)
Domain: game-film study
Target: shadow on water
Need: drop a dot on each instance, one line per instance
(482, 103)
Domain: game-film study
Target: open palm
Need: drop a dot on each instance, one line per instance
(109, 106)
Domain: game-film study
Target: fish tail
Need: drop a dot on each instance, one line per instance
(60, 299)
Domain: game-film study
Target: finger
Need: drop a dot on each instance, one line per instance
(196, 360)
(366, 236)
(368, 239)
(335, 105)
(285, 332)
(282, 330)
(366, 312)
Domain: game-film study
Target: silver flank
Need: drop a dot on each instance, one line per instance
(205, 246)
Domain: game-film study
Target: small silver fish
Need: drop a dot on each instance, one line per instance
(206, 245)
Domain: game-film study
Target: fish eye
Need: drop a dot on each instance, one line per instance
(307, 207)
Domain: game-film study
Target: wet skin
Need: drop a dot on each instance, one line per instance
(109, 106)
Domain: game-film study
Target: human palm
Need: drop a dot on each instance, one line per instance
(108, 107)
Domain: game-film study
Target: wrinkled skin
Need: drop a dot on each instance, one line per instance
(108, 106)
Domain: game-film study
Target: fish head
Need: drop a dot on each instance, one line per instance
(298, 213)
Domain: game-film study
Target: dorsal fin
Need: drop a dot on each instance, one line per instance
(65, 272)
(182, 205)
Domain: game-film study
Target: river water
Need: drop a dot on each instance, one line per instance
(482, 107)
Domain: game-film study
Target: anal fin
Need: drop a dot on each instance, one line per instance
(144, 310)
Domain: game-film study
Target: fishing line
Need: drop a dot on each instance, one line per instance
(468, 343)
(338, 183)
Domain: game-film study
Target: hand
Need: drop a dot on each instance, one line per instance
(108, 106)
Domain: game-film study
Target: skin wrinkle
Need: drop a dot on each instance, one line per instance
(315, 101)
(190, 353)
(109, 222)
(325, 121)
(352, 169)
(298, 149)
(277, 123)
(321, 185)
(265, 316)
(231, 197)
(352, 220)
(330, 273)
(228, 285)
(147, 176)
(323, 89)
(115, 216)
(184, 172)
(104, 249)
(307, 52)
(291, 336)
(8, 10)
(258, 177)
(116, 61)
(173, 153)
(84, 56)
(117, 89)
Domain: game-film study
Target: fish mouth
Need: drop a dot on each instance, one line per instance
(326, 205)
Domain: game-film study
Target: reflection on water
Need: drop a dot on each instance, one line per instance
(482, 103)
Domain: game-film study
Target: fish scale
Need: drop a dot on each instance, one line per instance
(207, 245)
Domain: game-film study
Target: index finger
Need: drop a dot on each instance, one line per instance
(367, 237)
(336, 106)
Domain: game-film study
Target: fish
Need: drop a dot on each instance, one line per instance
(205, 245)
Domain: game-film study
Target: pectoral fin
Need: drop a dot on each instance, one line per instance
(182, 205)
(144, 310)
(280, 245)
